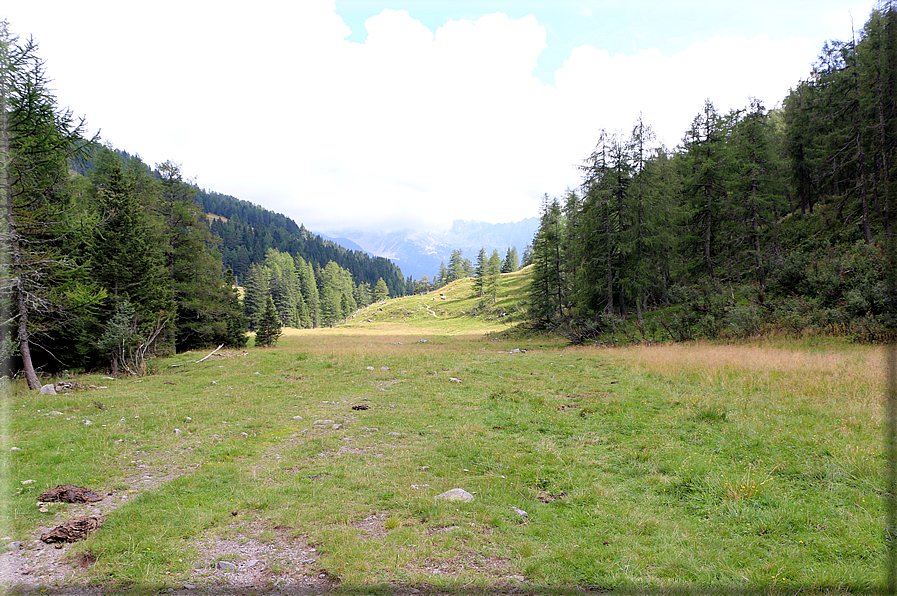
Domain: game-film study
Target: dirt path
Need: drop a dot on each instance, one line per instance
(243, 562)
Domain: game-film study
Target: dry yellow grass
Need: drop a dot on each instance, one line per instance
(849, 376)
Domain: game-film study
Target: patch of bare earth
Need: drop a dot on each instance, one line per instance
(249, 555)
(32, 565)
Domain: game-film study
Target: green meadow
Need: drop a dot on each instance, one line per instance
(669, 468)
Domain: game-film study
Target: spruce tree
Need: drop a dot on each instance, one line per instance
(480, 273)
(269, 326)
(511, 262)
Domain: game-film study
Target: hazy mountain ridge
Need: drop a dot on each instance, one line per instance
(420, 253)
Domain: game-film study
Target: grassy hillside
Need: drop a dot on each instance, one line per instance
(316, 465)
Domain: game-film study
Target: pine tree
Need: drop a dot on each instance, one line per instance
(269, 326)
(381, 292)
(493, 271)
(255, 293)
(548, 290)
(37, 281)
(479, 282)
(511, 262)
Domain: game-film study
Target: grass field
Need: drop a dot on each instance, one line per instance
(668, 468)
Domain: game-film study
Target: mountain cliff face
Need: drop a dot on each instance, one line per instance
(420, 253)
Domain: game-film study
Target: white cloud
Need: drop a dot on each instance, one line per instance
(412, 127)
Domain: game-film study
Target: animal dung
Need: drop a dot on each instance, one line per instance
(70, 493)
(74, 529)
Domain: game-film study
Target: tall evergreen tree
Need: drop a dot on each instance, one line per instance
(381, 292)
(511, 262)
(479, 282)
(493, 271)
(269, 327)
(38, 284)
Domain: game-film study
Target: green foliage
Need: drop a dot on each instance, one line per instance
(381, 292)
(269, 326)
(759, 222)
(248, 231)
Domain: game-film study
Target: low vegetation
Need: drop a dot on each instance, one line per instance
(661, 468)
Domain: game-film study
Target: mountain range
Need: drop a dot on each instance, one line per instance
(419, 253)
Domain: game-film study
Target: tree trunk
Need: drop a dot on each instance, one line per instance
(24, 345)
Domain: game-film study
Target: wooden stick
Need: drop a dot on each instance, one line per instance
(210, 355)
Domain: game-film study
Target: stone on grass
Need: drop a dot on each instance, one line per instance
(523, 515)
(456, 494)
(225, 566)
(48, 390)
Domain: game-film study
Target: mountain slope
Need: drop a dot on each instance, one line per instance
(420, 253)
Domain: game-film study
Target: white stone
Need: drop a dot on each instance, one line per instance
(456, 494)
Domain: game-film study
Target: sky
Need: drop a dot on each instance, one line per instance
(409, 114)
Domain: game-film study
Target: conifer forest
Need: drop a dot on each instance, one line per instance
(762, 220)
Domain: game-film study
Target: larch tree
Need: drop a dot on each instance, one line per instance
(37, 280)
(381, 292)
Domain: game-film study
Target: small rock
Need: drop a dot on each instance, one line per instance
(323, 422)
(337, 426)
(520, 513)
(177, 431)
(15, 448)
(48, 390)
(425, 468)
(189, 586)
(27, 482)
(454, 380)
(395, 434)
(423, 341)
(244, 434)
(43, 510)
(15, 545)
(188, 419)
(307, 561)
(322, 576)
(216, 437)
(225, 566)
(87, 422)
(252, 562)
(55, 413)
(373, 430)
(297, 417)
(368, 368)
(384, 368)
(456, 494)
(519, 578)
